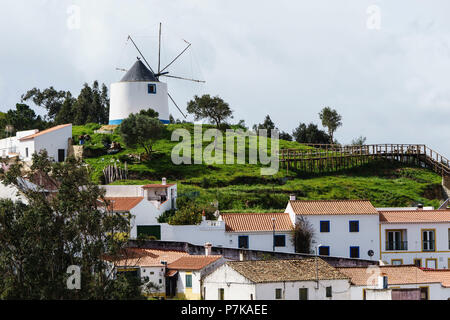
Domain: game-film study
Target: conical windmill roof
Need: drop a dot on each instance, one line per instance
(139, 72)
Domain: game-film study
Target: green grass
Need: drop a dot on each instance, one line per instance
(242, 188)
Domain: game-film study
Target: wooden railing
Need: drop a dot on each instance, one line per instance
(333, 157)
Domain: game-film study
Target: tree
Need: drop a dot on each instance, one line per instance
(24, 118)
(191, 213)
(359, 141)
(50, 99)
(285, 136)
(214, 109)
(141, 130)
(66, 113)
(310, 134)
(331, 120)
(268, 125)
(302, 236)
(150, 113)
(40, 239)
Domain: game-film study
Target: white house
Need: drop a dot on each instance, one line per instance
(342, 228)
(55, 140)
(170, 273)
(433, 285)
(420, 237)
(305, 279)
(257, 231)
(145, 203)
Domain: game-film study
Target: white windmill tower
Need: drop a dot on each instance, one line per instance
(141, 89)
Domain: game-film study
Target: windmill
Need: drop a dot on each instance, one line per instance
(141, 88)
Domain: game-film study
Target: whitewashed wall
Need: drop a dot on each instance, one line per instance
(132, 97)
(52, 141)
(414, 234)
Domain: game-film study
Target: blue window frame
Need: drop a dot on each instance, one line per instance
(243, 242)
(354, 252)
(353, 226)
(324, 251)
(152, 88)
(325, 226)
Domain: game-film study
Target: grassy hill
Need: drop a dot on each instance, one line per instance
(242, 188)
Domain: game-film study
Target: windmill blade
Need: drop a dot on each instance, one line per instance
(176, 58)
(148, 65)
(177, 106)
(181, 78)
(159, 52)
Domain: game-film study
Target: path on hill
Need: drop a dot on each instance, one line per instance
(329, 158)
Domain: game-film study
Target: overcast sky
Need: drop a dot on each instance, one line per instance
(384, 65)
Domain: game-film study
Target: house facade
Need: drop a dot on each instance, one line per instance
(420, 237)
(347, 228)
(54, 140)
(306, 279)
(432, 285)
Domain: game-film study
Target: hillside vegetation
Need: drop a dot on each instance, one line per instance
(242, 188)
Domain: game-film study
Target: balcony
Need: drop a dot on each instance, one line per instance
(396, 245)
(428, 245)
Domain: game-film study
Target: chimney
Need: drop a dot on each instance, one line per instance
(164, 263)
(292, 197)
(203, 216)
(164, 181)
(383, 281)
(420, 206)
(208, 248)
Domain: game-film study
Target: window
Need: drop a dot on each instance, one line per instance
(221, 294)
(431, 263)
(324, 226)
(428, 240)
(303, 294)
(329, 292)
(396, 240)
(418, 262)
(354, 252)
(280, 241)
(424, 295)
(152, 88)
(160, 281)
(354, 226)
(243, 242)
(26, 152)
(324, 251)
(397, 262)
(189, 281)
(278, 294)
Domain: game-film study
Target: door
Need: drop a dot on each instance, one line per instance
(61, 155)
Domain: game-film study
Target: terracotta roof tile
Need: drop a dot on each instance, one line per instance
(397, 275)
(442, 276)
(286, 270)
(133, 257)
(44, 132)
(254, 222)
(415, 216)
(333, 207)
(193, 262)
(124, 204)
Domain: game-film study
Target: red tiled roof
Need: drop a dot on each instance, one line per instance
(158, 186)
(332, 207)
(397, 275)
(193, 262)
(44, 132)
(133, 257)
(123, 204)
(254, 222)
(441, 275)
(415, 216)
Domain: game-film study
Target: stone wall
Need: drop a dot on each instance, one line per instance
(244, 254)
